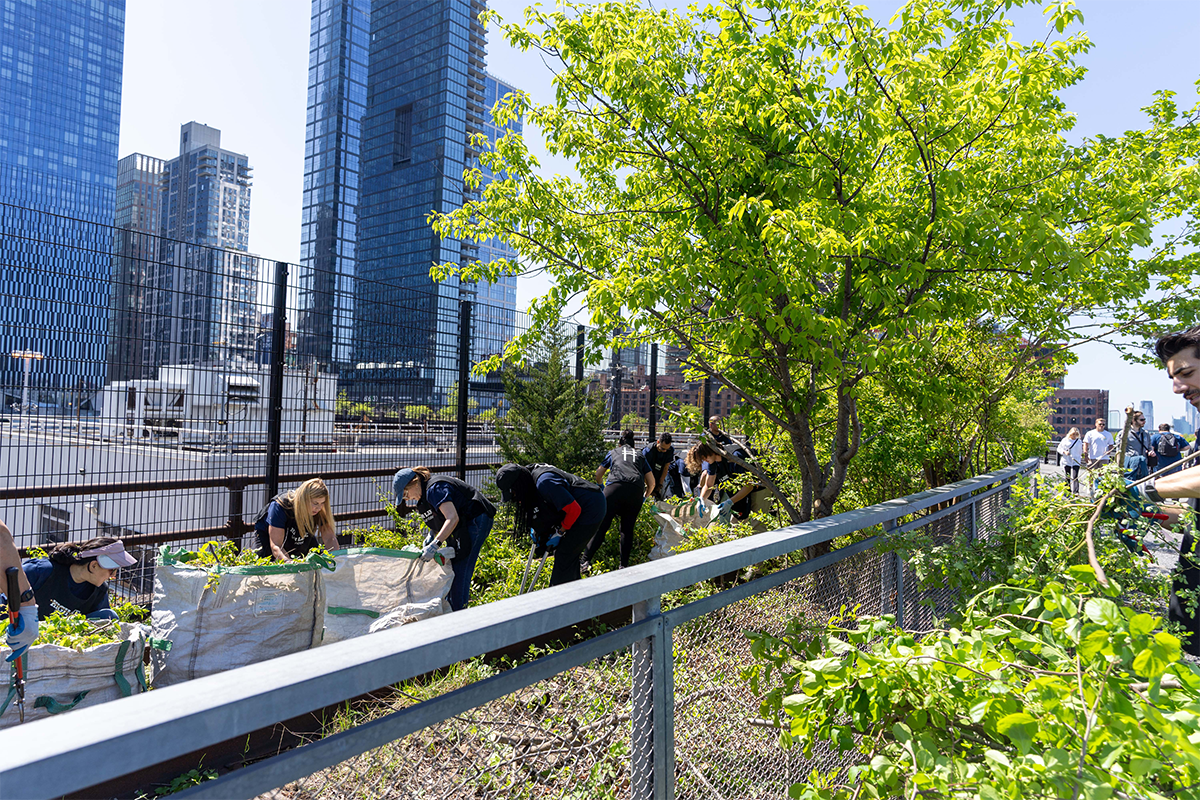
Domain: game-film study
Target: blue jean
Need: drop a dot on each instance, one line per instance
(464, 563)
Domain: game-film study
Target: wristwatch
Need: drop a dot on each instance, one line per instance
(1151, 492)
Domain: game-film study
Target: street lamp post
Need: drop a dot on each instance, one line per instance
(29, 356)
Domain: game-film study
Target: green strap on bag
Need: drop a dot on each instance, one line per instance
(339, 611)
(52, 706)
(119, 674)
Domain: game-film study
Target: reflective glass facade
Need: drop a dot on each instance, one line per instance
(427, 94)
(337, 96)
(60, 108)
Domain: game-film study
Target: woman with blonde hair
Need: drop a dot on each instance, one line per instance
(1071, 450)
(288, 525)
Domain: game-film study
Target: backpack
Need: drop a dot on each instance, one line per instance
(1168, 445)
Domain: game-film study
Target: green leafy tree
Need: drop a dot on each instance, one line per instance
(803, 197)
(633, 422)
(450, 409)
(552, 419)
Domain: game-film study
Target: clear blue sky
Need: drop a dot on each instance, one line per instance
(243, 67)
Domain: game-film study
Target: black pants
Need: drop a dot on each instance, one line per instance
(1185, 595)
(625, 500)
(566, 555)
(1072, 478)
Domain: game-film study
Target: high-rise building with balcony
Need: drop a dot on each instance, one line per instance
(337, 95)
(201, 296)
(60, 110)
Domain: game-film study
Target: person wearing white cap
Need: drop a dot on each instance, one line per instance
(73, 579)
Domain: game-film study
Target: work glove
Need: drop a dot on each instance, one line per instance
(1130, 504)
(724, 506)
(21, 635)
(431, 550)
(700, 507)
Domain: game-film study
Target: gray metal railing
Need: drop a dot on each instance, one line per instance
(682, 741)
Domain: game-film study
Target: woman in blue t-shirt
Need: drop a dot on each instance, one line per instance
(456, 513)
(288, 526)
(73, 578)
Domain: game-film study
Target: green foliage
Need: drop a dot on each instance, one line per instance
(417, 412)
(223, 554)
(632, 422)
(551, 417)
(806, 199)
(1051, 692)
(1041, 537)
(131, 612)
(75, 631)
(193, 777)
(346, 408)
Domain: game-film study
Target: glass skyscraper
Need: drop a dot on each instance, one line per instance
(337, 97)
(427, 94)
(60, 109)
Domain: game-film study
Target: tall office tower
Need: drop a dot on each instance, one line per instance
(496, 311)
(1192, 414)
(337, 97)
(426, 96)
(1147, 408)
(202, 289)
(60, 110)
(138, 222)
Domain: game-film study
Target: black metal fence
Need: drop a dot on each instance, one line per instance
(169, 405)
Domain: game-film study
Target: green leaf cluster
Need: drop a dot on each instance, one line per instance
(1052, 692)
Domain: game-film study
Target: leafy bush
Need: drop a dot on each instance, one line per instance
(75, 631)
(1051, 692)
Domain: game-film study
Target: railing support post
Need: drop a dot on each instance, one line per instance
(653, 709)
(464, 386)
(652, 411)
(579, 345)
(897, 568)
(275, 404)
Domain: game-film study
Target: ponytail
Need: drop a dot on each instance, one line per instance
(626, 439)
(67, 553)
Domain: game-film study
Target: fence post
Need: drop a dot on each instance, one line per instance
(975, 503)
(897, 567)
(652, 411)
(275, 404)
(707, 402)
(652, 739)
(464, 388)
(579, 344)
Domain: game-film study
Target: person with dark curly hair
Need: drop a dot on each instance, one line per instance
(74, 577)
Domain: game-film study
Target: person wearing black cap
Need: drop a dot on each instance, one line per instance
(456, 513)
(548, 496)
(630, 482)
(72, 580)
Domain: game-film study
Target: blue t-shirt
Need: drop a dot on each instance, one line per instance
(658, 459)
(276, 516)
(37, 570)
(1180, 443)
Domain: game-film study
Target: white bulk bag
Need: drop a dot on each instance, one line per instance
(676, 519)
(375, 588)
(248, 614)
(60, 679)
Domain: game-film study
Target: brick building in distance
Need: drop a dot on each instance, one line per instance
(635, 392)
(1077, 408)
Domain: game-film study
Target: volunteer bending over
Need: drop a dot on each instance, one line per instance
(543, 492)
(74, 578)
(630, 482)
(457, 514)
(288, 526)
(22, 634)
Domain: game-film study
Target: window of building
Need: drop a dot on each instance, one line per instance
(55, 524)
(402, 135)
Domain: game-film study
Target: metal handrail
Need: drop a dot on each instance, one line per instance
(147, 729)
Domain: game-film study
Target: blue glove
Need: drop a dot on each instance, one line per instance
(430, 551)
(723, 507)
(700, 507)
(21, 635)
(1130, 504)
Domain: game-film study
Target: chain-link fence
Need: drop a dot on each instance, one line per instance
(657, 707)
